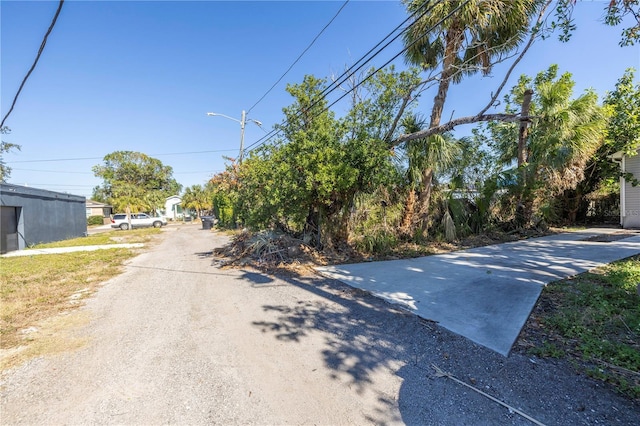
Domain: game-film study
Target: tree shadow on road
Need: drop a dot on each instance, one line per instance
(256, 278)
(365, 335)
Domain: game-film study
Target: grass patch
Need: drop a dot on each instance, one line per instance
(141, 235)
(52, 335)
(36, 290)
(33, 288)
(594, 321)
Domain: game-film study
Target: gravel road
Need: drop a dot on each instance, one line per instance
(177, 340)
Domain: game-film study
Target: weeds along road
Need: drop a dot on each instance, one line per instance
(177, 340)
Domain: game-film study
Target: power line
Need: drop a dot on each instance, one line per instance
(299, 57)
(194, 173)
(24, 80)
(100, 158)
(54, 159)
(52, 171)
(89, 173)
(351, 71)
(376, 71)
(62, 185)
(191, 152)
(460, 6)
(396, 56)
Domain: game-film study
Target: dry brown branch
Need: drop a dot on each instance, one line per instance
(441, 373)
(457, 122)
(482, 116)
(534, 34)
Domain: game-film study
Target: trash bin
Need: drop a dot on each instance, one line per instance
(207, 222)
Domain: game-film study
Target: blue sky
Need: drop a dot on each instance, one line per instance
(141, 76)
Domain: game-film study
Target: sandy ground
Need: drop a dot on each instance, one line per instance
(177, 340)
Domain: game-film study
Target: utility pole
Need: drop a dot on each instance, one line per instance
(243, 121)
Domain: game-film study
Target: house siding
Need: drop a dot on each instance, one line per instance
(172, 208)
(99, 209)
(630, 212)
(39, 216)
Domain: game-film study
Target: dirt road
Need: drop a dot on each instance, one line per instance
(177, 340)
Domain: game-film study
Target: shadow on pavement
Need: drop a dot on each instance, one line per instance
(256, 278)
(366, 336)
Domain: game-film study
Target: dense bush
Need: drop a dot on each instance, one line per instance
(95, 220)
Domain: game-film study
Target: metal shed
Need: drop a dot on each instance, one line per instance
(31, 216)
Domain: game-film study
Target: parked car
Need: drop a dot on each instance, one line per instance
(138, 220)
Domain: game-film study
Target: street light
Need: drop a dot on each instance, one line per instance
(242, 122)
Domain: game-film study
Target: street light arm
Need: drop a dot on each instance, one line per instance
(242, 122)
(215, 114)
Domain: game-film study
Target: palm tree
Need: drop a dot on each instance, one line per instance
(430, 154)
(198, 198)
(462, 37)
(561, 141)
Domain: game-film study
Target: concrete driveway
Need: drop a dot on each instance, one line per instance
(486, 294)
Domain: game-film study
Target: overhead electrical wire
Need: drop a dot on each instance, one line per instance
(264, 139)
(358, 65)
(90, 173)
(35, 62)
(396, 56)
(349, 72)
(100, 158)
(52, 171)
(299, 57)
(63, 185)
(419, 13)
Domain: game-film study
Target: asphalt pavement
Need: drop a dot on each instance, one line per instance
(486, 294)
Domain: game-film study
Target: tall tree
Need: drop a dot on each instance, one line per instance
(542, 24)
(461, 37)
(602, 183)
(134, 181)
(564, 135)
(290, 183)
(623, 131)
(224, 188)
(307, 181)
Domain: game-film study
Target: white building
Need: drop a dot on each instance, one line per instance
(629, 194)
(172, 208)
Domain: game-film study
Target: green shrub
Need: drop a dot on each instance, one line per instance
(380, 242)
(95, 220)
